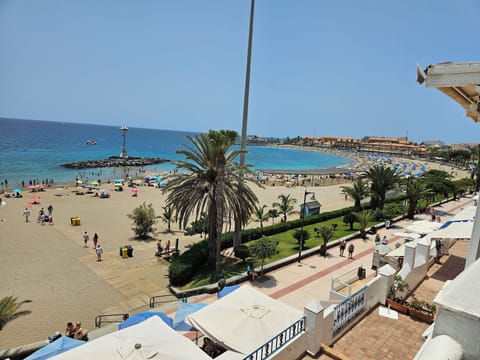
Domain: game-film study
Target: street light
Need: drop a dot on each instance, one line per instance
(300, 246)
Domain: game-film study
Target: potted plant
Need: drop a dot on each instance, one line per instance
(398, 302)
(421, 310)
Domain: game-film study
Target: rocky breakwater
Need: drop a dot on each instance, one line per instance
(114, 161)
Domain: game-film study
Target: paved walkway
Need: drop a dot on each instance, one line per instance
(298, 283)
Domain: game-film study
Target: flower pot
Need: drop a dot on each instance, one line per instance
(401, 308)
(421, 315)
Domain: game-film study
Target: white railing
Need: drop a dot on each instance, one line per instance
(348, 309)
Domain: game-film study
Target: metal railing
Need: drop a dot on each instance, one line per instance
(110, 318)
(165, 301)
(277, 341)
(349, 308)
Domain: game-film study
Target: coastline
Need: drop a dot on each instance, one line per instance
(49, 265)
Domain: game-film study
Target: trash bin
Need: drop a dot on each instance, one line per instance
(129, 251)
(75, 221)
(361, 273)
(124, 253)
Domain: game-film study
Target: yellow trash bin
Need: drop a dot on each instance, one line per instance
(75, 221)
(124, 253)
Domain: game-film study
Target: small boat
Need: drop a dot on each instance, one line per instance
(91, 142)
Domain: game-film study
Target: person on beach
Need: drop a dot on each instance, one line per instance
(99, 252)
(351, 248)
(95, 240)
(85, 239)
(70, 330)
(167, 246)
(377, 239)
(79, 334)
(384, 240)
(159, 248)
(50, 210)
(343, 245)
(26, 213)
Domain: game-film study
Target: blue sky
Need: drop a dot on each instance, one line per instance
(340, 68)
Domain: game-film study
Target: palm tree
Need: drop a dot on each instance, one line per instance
(358, 191)
(416, 190)
(273, 214)
(211, 181)
(260, 215)
(285, 206)
(326, 232)
(363, 219)
(381, 180)
(438, 182)
(168, 216)
(9, 307)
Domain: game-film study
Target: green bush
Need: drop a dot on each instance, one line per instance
(184, 266)
(241, 252)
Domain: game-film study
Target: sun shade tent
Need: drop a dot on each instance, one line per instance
(185, 309)
(459, 81)
(244, 320)
(62, 344)
(142, 316)
(150, 339)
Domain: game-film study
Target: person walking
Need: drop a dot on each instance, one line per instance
(85, 239)
(95, 240)
(26, 213)
(343, 245)
(99, 252)
(351, 248)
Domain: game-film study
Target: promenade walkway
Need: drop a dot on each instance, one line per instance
(298, 283)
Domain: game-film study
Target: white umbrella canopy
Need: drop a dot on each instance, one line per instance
(244, 320)
(150, 339)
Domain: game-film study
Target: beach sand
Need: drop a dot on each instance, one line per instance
(49, 265)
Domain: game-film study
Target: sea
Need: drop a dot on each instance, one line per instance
(34, 150)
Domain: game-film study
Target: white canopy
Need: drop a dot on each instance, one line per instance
(244, 320)
(150, 339)
(456, 230)
(423, 227)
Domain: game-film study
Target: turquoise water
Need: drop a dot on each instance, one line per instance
(36, 149)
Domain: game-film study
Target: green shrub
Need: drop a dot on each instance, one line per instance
(184, 266)
(241, 252)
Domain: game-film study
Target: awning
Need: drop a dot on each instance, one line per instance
(459, 81)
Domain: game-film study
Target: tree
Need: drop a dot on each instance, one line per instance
(168, 216)
(381, 180)
(326, 232)
(285, 205)
(350, 219)
(363, 219)
(9, 310)
(260, 215)
(358, 191)
(144, 219)
(416, 190)
(263, 248)
(438, 182)
(211, 182)
(273, 214)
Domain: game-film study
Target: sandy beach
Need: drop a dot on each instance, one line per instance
(49, 265)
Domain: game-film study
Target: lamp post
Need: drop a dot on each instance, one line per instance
(124, 150)
(300, 246)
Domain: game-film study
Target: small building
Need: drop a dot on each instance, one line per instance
(311, 208)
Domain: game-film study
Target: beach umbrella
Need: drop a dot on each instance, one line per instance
(138, 318)
(35, 197)
(17, 190)
(117, 184)
(134, 190)
(117, 181)
(79, 181)
(31, 186)
(94, 183)
(62, 344)
(227, 290)
(185, 309)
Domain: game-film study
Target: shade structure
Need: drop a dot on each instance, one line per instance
(407, 236)
(227, 290)
(138, 318)
(17, 190)
(423, 227)
(62, 344)
(185, 309)
(244, 320)
(151, 339)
